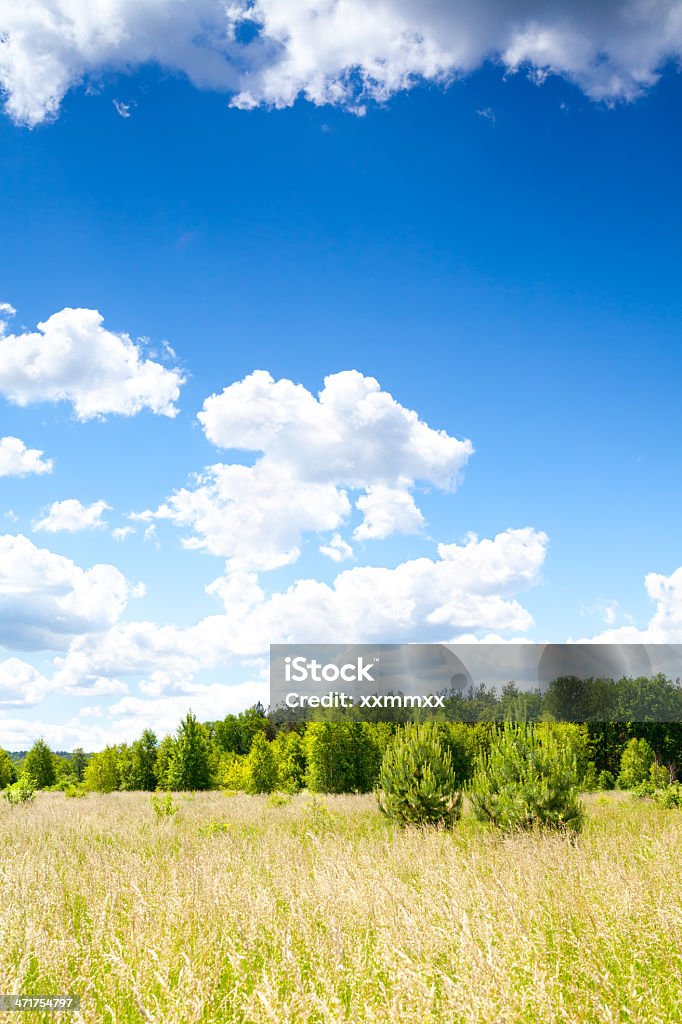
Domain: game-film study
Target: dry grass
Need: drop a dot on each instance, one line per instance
(315, 912)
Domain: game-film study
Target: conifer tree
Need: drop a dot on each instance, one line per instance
(417, 784)
(528, 778)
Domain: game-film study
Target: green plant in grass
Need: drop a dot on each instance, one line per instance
(417, 784)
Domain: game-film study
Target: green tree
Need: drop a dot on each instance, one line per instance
(290, 759)
(164, 757)
(39, 764)
(143, 756)
(417, 784)
(635, 764)
(262, 766)
(7, 773)
(189, 767)
(103, 773)
(78, 762)
(528, 778)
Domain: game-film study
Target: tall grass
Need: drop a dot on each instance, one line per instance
(322, 911)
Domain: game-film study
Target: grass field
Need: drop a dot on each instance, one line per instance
(315, 911)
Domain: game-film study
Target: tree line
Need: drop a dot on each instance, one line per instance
(257, 752)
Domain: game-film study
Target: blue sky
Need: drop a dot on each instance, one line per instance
(502, 256)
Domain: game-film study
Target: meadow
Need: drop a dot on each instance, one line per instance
(250, 909)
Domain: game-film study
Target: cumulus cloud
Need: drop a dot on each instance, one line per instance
(387, 510)
(468, 588)
(330, 51)
(72, 357)
(337, 549)
(21, 684)
(71, 515)
(313, 449)
(665, 625)
(18, 460)
(46, 599)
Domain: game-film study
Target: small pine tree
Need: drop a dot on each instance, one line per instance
(39, 764)
(261, 765)
(417, 784)
(189, 768)
(528, 778)
(635, 764)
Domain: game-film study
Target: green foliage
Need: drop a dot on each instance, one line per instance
(233, 773)
(102, 773)
(290, 759)
(341, 757)
(8, 773)
(22, 791)
(235, 733)
(215, 828)
(261, 766)
(670, 796)
(417, 784)
(635, 764)
(74, 791)
(163, 806)
(78, 763)
(529, 778)
(606, 780)
(189, 767)
(164, 757)
(659, 775)
(40, 765)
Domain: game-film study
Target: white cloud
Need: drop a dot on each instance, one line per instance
(387, 510)
(7, 311)
(18, 460)
(46, 599)
(121, 532)
(469, 588)
(72, 357)
(71, 515)
(665, 626)
(122, 109)
(330, 51)
(21, 684)
(353, 436)
(337, 549)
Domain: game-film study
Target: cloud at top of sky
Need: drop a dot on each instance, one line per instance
(342, 52)
(73, 358)
(313, 450)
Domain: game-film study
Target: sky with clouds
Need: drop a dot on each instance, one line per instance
(329, 322)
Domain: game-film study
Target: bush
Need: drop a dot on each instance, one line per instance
(417, 784)
(659, 776)
(529, 778)
(606, 779)
(163, 806)
(233, 773)
(670, 796)
(23, 791)
(635, 764)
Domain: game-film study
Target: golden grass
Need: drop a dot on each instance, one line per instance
(321, 911)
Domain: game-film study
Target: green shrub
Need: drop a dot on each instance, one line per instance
(529, 778)
(233, 773)
(417, 784)
(23, 791)
(635, 764)
(76, 790)
(670, 796)
(163, 806)
(659, 776)
(606, 779)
